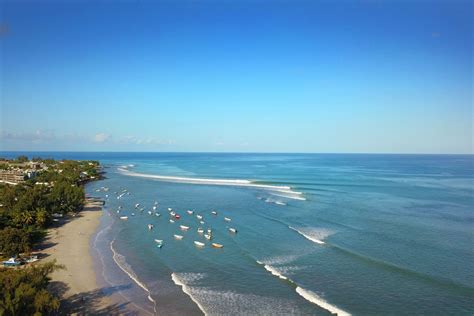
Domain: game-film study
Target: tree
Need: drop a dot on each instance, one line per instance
(24, 291)
(14, 241)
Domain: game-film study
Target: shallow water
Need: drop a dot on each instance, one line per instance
(369, 234)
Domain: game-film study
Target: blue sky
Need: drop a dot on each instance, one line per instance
(258, 76)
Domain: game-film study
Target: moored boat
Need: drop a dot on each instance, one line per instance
(171, 221)
(200, 230)
(208, 236)
(233, 230)
(179, 237)
(216, 245)
(199, 216)
(214, 213)
(124, 217)
(227, 219)
(150, 226)
(190, 212)
(183, 227)
(12, 262)
(199, 244)
(159, 241)
(177, 216)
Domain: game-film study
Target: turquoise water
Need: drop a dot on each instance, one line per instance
(356, 234)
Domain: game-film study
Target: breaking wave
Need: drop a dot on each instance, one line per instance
(230, 182)
(315, 235)
(127, 269)
(225, 302)
(308, 295)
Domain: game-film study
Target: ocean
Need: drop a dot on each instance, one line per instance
(316, 234)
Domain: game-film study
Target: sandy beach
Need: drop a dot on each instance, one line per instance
(68, 243)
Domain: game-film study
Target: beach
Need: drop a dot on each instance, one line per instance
(68, 242)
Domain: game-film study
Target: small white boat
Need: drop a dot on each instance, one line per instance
(207, 236)
(133, 214)
(201, 222)
(200, 230)
(183, 227)
(190, 212)
(31, 259)
(172, 213)
(137, 205)
(154, 208)
(118, 211)
(169, 209)
(216, 245)
(209, 231)
(233, 230)
(179, 237)
(171, 221)
(199, 216)
(199, 244)
(149, 212)
(159, 241)
(227, 219)
(159, 245)
(157, 214)
(214, 213)
(150, 226)
(124, 217)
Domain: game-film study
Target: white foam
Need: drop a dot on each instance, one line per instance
(125, 267)
(230, 182)
(224, 302)
(316, 299)
(178, 281)
(306, 294)
(316, 235)
(274, 271)
(289, 196)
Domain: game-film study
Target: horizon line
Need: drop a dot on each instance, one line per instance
(237, 152)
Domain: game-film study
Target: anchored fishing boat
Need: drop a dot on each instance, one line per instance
(216, 245)
(199, 244)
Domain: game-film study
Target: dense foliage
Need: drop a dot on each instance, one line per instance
(27, 208)
(24, 291)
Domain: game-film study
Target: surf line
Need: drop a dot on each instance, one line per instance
(116, 256)
(186, 290)
(308, 295)
(229, 182)
(317, 241)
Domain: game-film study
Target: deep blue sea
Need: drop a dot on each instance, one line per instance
(316, 233)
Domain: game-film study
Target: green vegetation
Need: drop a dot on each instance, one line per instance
(26, 210)
(24, 291)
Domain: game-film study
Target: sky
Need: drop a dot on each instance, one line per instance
(362, 76)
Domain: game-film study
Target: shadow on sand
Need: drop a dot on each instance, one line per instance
(89, 303)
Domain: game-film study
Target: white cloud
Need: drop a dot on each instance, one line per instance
(101, 137)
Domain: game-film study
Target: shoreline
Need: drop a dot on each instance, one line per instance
(68, 242)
